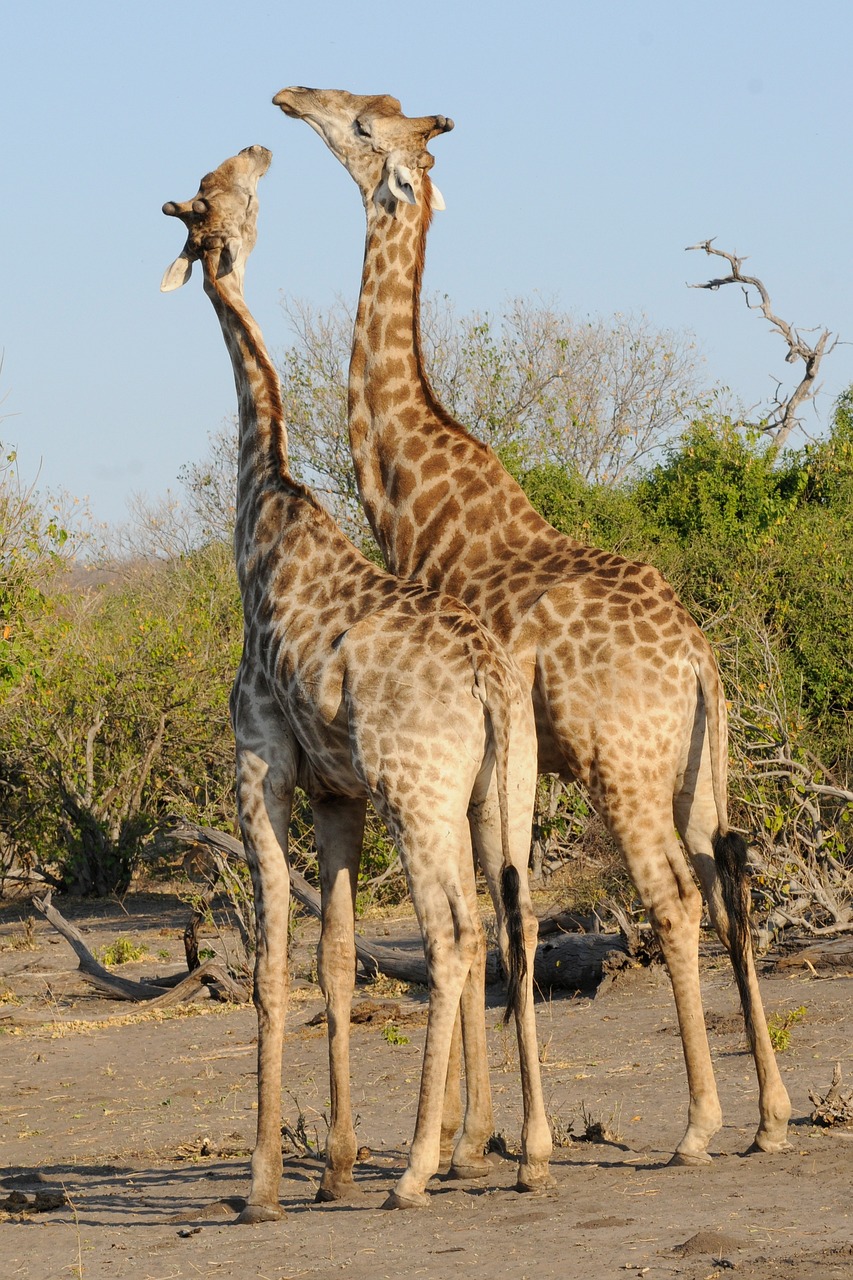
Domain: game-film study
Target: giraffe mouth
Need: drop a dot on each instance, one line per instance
(287, 100)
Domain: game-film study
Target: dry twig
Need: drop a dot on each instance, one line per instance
(784, 415)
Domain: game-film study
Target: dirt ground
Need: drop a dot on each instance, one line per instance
(145, 1123)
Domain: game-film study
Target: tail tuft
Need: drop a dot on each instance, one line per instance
(517, 956)
(730, 855)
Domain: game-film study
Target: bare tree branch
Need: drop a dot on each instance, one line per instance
(155, 995)
(784, 416)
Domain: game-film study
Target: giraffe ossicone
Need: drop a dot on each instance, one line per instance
(354, 685)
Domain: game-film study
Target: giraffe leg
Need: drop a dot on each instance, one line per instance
(536, 1142)
(468, 1160)
(339, 831)
(451, 941)
(264, 806)
(674, 905)
(696, 818)
(451, 1115)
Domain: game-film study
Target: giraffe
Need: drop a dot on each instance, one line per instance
(625, 689)
(355, 685)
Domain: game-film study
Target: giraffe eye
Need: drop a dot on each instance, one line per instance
(361, 131)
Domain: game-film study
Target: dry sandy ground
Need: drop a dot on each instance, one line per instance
(119, 1116)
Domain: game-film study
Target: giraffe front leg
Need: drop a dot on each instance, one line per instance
(264, 817)
(339, 831)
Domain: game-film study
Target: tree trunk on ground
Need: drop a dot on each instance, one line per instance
(566, 961)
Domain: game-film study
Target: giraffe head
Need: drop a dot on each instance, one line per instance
(221, 219)
(383, 150)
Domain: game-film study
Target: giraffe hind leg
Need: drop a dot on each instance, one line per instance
(451, 942)
(658, 868)
(720, 864)
(339, 832)
(536, 1142)
(451, 1114)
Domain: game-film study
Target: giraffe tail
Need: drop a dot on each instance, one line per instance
(730, 856)
(498, 701)
(730, 851)
(516, 956)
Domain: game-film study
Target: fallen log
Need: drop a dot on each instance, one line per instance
(834, 953)
(567, 961)
(155, 995)
(578, 961)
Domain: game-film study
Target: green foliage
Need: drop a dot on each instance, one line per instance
(125, 718)
(31, 542)
(595, 514)
(721, 483)
(739, 530)
(779, 1025)
(391, 1034)
(121, 951)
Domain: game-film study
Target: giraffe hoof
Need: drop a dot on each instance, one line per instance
(527, 1187)
(763, 1147)
(689, 1160)
(255, 1213)
(472, 1169)
(396, 1201)
(338, 1191)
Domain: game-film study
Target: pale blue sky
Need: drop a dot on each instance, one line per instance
(592, 143)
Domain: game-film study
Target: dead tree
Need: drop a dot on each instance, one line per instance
(784, 414)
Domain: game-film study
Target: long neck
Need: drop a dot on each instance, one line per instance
(262, 455)
(432, 492)
(387, 384)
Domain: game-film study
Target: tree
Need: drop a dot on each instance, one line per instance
(125, 717)
(783, 415)
(33, 545)
(596, 397)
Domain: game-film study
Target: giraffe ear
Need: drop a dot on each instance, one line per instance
(233, 248)
(436, 199)
(398, 183)
(401, 183)
(176, 275)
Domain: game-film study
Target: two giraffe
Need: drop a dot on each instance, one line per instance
(625, 690)
(356, 685)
